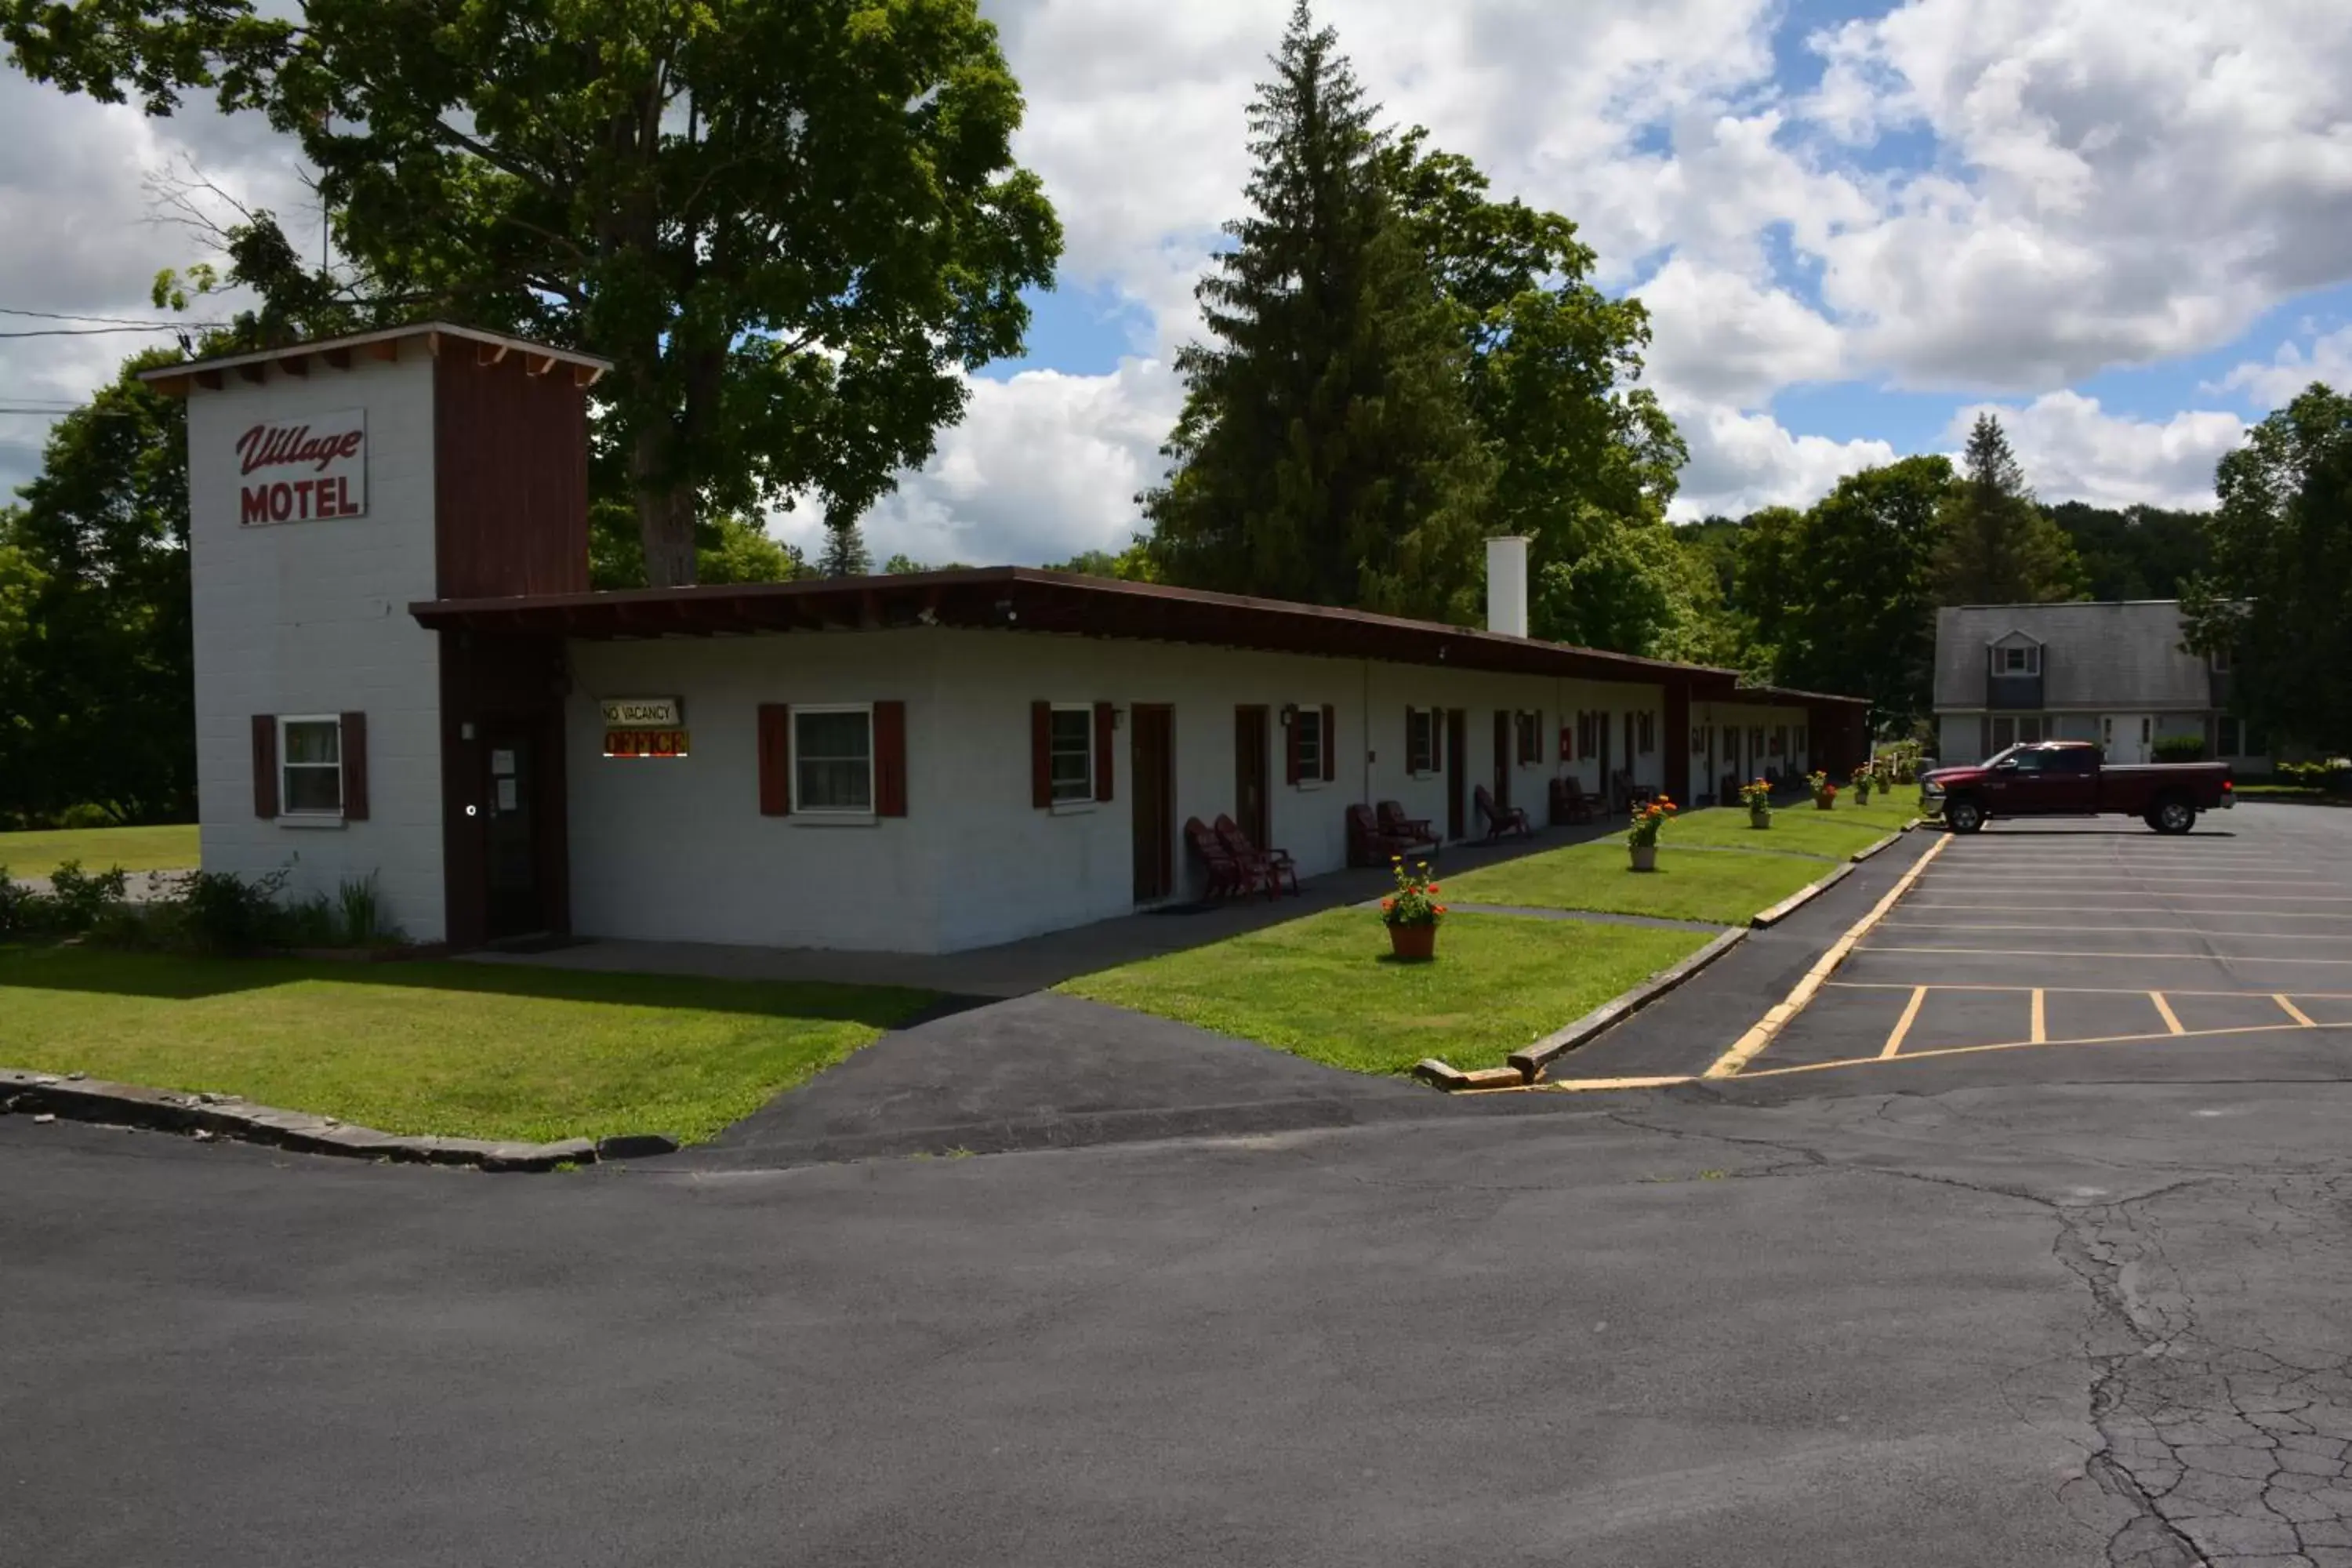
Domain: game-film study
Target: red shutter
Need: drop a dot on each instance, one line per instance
(1330, 742)
(1437, 740)
(265, 765)
(1408, 739)
(1105, 720)
(889, 759)
(1041, 755)
(355, 767)
(776, 759)
(1290, 750)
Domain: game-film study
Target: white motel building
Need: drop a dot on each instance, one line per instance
(401, 672)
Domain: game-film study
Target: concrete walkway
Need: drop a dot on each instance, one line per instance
(1038, 962)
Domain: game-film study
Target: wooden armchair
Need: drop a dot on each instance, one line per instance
(1367, 845)
(1501, 820)
(1229, 876)
(1273, 865)
(1417, 832)
(1571, 805)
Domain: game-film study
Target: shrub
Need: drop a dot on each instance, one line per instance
(91, 814)
(362, 910)
(220, 912)
(2180, 747)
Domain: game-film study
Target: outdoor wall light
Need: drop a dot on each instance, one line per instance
(1290, 714)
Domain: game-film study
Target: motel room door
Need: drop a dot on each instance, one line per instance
(1503, 739)
(1250, 783)
(1151, 755)
(1457, 771)
(510, 836)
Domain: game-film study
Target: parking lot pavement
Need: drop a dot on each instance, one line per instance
(2020, 948)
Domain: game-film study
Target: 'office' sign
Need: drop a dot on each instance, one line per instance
(303, 470)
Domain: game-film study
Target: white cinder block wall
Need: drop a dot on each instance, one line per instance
(676, 849)
(313, 618)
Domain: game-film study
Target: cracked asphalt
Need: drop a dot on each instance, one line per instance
(2036, 1308)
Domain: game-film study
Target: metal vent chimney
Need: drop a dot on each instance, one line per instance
(1506, 586)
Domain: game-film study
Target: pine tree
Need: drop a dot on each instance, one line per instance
(1326, 451)
(1997, 546)
(845, 550)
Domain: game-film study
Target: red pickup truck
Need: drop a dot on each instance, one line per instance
(2068, 778)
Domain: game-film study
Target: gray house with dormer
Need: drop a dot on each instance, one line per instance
(2115, 674)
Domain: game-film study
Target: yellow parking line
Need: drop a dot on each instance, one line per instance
(2205, 898)
(2056, 952)
(1903, 1025)
(2109, 909)
(1766, 1029)
(2074, 990)
(2041, 1033)
(2164, 1010)
(2295, 1012)
(1909, 1057)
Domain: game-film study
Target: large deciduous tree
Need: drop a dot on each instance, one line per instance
(789, 225)
(1844, 593)
(1997, 546)
(97, 695)
(2278, 596)
(1326, 450)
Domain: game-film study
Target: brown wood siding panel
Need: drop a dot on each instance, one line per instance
(1106, 720)
(889, 759)
(355, 767)
(265, 766)
(510, 479)
(1041, 755)
(776, 759)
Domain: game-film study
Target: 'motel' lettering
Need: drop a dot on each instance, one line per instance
(298, 500)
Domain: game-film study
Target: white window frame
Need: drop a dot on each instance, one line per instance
(1426, 720)
(2030, 667)
(1055, 797)
(833, 812)
(2218, 661)
(1310, 765)
(286, 809)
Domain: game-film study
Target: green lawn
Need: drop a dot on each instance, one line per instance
(1324, 987)
(1721, 887)
(1801, 827)
(38, 853)
(462, 1049)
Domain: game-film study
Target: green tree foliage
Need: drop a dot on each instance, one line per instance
(787, 225)
(1842, 594)
(95, 656)
(2139, 552)
(1551, 359)
(1326, 450)
(1133, 564)
(2277, 594)
(727, 549)
(1997, 546)
(1634, 589)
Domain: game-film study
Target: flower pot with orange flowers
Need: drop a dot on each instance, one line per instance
(1412, 913)
(1824, 791)
(1758, 798)
(1642, 837)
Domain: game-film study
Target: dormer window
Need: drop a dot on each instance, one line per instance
(2025, 659)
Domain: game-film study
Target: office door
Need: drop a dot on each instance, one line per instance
(1151, 766)
(1457, 771)
(1250, 783)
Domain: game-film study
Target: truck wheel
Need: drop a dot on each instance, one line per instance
(2174, 816)
(1963, 816)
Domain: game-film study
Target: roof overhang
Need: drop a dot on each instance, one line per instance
(385, 343)
(1030, 599)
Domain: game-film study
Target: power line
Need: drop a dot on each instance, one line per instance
(97, 331)
(112, 320)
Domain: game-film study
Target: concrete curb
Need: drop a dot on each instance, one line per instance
(1765, 918)
(1528, 1062)
(227, 1116)
(1859, 856)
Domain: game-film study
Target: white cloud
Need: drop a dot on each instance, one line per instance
(2072, 449)
(2278, 381)
(1718, 337)
(1045, 466)
(1742, 461)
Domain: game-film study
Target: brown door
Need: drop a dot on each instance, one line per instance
(1502, 760)
(1249, 774)
(1457, 771)
(1151, 754)
(510, 840)
(1608, 788)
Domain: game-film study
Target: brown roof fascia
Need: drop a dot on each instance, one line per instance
(1033, 599)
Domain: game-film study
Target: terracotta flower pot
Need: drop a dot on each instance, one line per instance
(1759, 817)
(1414, 943)
(1646, 856)
(1822, 803)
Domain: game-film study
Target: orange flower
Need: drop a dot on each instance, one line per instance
(1387, 904)
(1439, 908)
(1431, 888)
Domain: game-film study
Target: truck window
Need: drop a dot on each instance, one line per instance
(2077, 760)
